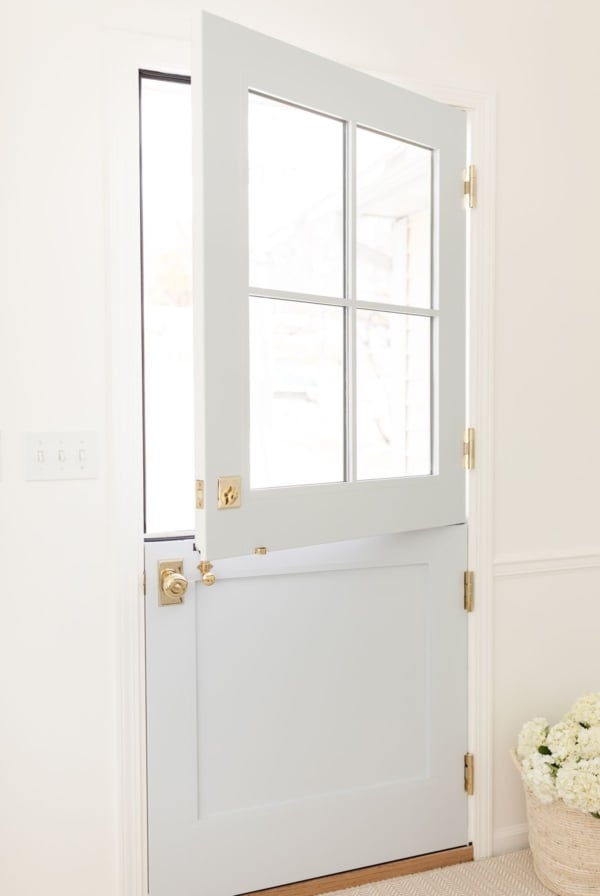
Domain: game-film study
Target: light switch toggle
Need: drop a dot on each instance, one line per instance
(61, 455)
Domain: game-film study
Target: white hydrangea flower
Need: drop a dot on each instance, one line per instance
(539, 775)
(589, 742)
(563, 738)
(578, 785)
(586, 710)
(563, 762)
(531, 737)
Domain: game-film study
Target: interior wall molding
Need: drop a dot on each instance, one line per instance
(125, 54)
(481, 109)
(535, 564)
(510, 839)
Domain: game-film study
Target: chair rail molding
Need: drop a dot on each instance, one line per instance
(540, 564)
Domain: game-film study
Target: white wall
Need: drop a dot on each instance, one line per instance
(58, 760)
(57, 716)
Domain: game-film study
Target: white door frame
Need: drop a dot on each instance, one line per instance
(126, 54)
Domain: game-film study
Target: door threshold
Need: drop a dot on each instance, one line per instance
(371, 874)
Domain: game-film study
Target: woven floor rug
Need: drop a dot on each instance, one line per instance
(508, 875)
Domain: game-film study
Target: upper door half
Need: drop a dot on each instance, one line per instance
(329, 299)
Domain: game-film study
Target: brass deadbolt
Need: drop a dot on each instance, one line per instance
(229, 493)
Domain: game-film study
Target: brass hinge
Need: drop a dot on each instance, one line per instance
(469, 591)
(470, 187)
(199, 494)
(469, 449)
(469, 774)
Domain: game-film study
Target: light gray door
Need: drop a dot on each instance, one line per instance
(307, 711)
(329, 289)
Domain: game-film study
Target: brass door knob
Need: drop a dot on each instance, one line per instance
(208, 578)
(173, 584)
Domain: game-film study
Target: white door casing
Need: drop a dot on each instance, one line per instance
(228, 62)
(126, 54)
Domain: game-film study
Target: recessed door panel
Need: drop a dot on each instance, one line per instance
(315, 680)
(307, 713)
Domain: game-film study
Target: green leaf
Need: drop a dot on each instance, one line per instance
(595, 814)
(544, 750)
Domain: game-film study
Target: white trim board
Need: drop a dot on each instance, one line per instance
(541, 564)
(480, 403)
(511, 839)
(125, 55)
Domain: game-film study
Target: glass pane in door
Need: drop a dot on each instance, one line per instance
(296, 199)
(166, 168)
(394, 220)
(296, 393)
(393, 356)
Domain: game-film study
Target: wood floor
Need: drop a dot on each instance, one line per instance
(371, 874)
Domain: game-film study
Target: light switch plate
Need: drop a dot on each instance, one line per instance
(61, 455)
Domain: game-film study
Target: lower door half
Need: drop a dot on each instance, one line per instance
(306, 713)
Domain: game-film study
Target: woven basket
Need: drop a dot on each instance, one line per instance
(565, 845)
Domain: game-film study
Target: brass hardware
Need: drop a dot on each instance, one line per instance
(469, 774)
(199, 494)
(172, 584)
(469, 591)
(470, 187)
(229, 493)
(260, 551)
(469, 449)
(208, 578)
